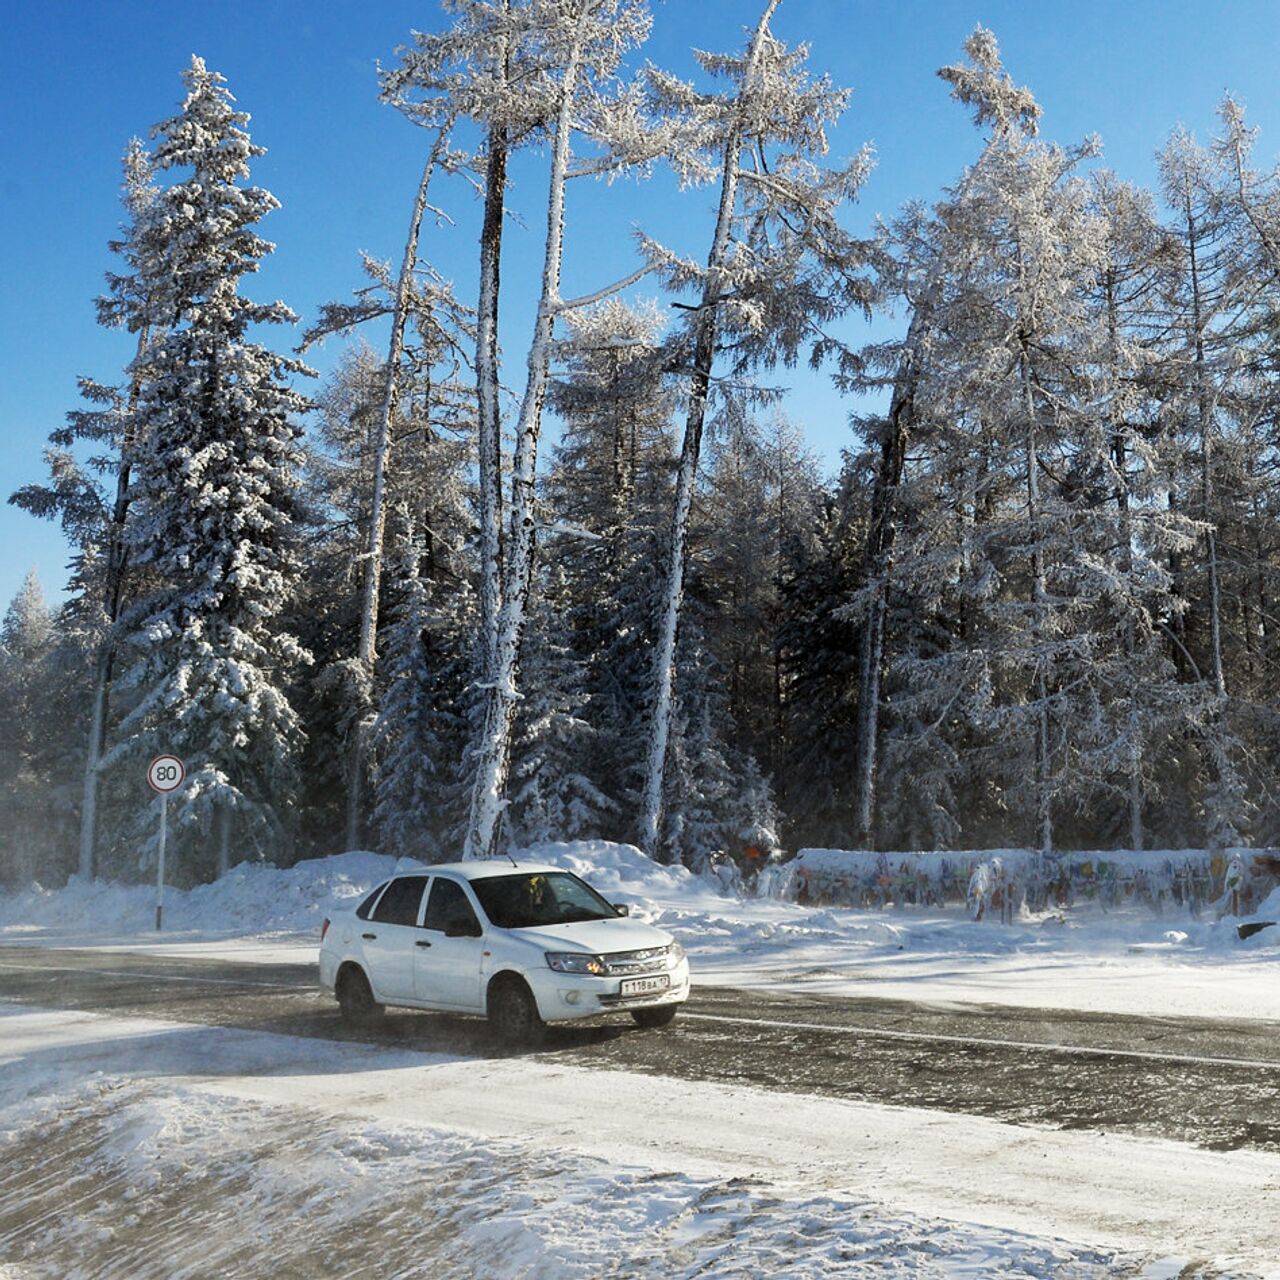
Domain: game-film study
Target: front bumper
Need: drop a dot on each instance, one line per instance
(570, 997)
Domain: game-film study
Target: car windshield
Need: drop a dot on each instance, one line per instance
(539, 898)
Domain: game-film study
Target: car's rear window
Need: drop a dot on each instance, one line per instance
(528, 900)
(367, 905)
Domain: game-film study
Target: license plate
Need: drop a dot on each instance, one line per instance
(645, 986)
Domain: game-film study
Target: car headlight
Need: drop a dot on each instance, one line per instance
(576, 962)
(675, 953)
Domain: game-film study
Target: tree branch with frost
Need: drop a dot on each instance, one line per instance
(562, 305)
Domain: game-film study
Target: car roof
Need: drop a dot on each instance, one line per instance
(479, 869)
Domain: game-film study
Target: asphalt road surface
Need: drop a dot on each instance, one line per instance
(1213, 1083)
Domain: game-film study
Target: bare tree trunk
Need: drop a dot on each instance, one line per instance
(704, 354)
(1043, 815)
(366, 653)
(1204, 409)
(879, 550)
(487, 797)
(223, 828)
(489, 429)
(1119, 458)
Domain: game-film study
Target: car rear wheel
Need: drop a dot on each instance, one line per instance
(661, 1016)
(513, 1014)
(355, 999)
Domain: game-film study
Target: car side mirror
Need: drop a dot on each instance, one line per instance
(621, 909)
(460, 927)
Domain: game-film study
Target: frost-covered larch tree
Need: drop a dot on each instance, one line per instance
(992, 555)
(1253, 570)
(1208, 402)
(779, 266)
(491, 68)
(909, 275)
(429, 494)
(215, 487)
(1126, 702)
(425, 352)
(583, 43)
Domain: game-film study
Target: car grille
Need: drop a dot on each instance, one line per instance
(625, 963)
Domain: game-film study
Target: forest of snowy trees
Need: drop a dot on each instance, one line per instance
(454, 597)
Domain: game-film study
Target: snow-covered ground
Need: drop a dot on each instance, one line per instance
(1127, 961)
(134, 1148)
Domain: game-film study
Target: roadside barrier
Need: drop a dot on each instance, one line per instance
(999, 882)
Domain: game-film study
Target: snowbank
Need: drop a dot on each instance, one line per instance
(253, 899)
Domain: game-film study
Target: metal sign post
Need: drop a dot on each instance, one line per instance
(164, 827)
(164, 774)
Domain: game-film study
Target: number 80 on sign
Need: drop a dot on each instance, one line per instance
(165, 774)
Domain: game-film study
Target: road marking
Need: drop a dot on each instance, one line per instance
(157, 977)
(934, 1037)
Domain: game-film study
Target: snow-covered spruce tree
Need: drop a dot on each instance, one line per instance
(215, 486)
(779, 267)
(817, 648)
(717, 799)
(757, 512)
(553, 796)
(584, 41)
(420, 732)
(91, 499)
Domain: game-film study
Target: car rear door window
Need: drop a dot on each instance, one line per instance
(448, 908)
(399, 905)
(362, 911)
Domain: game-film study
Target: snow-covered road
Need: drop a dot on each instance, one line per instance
(560, 1170)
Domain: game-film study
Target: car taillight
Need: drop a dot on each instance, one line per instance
(324, 928)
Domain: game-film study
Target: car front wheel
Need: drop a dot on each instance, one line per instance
(661, 1016)
(355, 999)
(513, 1014)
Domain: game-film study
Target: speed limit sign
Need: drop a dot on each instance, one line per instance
(165, 774)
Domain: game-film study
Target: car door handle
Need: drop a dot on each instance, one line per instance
(422, 943)
(369, 936)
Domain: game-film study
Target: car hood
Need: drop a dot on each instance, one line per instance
(598, 936)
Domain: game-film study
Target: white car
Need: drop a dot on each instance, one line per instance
(522, 943)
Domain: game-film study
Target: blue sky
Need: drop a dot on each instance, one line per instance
(78, 79)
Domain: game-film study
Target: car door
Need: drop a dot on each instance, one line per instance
(388, 938)
(447, 972)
